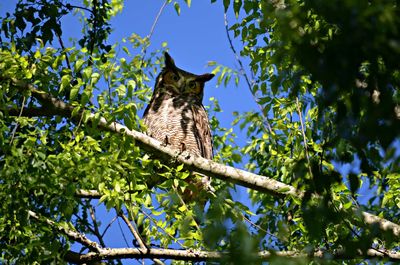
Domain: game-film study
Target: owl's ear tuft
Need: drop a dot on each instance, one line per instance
(205, 77)
(169, 62)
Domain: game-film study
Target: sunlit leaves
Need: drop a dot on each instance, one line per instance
(177, 8)
(289, 45)
(224, 74)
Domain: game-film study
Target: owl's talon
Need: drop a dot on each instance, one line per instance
(183, 147)
(166, 141)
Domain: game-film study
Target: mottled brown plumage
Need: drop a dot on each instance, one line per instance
(176, 115)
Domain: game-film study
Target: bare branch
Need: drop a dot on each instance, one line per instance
(90, 194)
(384, 224)
(201, 165)
(95, 225)
(75, 236)
(17, 124)
(249, 83)
(33, 112)
(196, 255)
(153, 28)
(303, 132)
(133, 231)
(98, 253)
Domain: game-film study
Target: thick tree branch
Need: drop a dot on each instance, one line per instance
(195, 255)
(199, 164)
(33, 112)
(98, 253)
(91, 194)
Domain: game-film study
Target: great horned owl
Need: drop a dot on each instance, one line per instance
(176, 115)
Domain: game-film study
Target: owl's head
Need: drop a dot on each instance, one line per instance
(175, 81)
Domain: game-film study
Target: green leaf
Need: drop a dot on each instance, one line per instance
(179, 167)
(226, 4)
(236, 7)
(177, 8)
(78, 65)
(65, 82)
(87, 72)
(95, 78)
(121, 90)
(74, 92)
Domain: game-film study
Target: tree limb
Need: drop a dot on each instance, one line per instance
(91, 194)
(137, 236)
(98, 253)
(75, 236)
(199, 164)
(196, 255)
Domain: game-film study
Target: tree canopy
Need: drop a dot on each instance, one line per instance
(325, 77)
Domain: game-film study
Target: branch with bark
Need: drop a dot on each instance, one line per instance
(191, 162)
(99, 253)
(196, 255)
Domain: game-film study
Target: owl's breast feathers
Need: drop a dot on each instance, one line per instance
(181, 122)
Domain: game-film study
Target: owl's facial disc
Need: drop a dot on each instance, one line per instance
(178, 81)
(172, 81)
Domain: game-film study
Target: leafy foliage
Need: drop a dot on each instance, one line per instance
(324, 75)
(333, 99)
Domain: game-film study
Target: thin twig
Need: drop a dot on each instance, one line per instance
(155, 223)
(152, 29)
(84, 222)
(17, 123)
(96, 227)
(69, 6)
(78, 237)
(123, 235)
(156, 19)
(109, 225)
(138, 238)
(184, 204)
(304, 136)
(249, 83)
(64, 50)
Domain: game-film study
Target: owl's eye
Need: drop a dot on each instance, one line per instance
(175, 77)
(192, 84)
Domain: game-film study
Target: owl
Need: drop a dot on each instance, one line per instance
(175, 115)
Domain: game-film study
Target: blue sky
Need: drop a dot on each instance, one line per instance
(194, 38)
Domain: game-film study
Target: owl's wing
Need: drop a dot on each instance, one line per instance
(202, 131)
